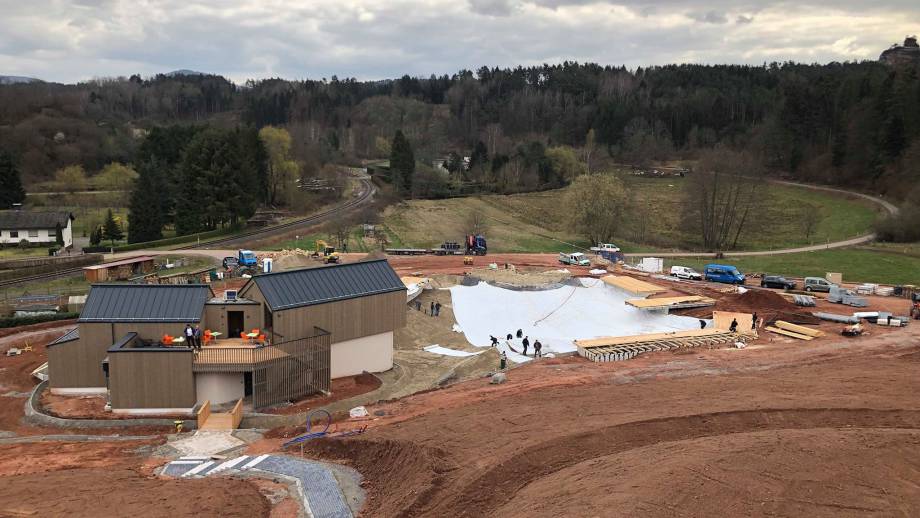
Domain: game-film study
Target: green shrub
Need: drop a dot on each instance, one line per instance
(37, 319)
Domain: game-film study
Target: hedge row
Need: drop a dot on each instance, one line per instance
(178, 240)
(37, 319)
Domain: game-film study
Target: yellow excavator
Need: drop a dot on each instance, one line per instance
(327, 252)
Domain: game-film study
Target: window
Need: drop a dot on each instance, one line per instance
(33, 233)
(14, 233)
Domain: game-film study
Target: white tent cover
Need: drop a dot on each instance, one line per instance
(555, 317)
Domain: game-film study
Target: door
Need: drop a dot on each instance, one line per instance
(235, 323)
(247, 384)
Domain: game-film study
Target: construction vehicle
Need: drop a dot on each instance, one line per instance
(476, 245)
(327, 252)
(247, 258)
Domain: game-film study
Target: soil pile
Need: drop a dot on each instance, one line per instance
(125, 492)
(767, 304)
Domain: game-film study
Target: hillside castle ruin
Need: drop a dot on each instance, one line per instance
(906, 54)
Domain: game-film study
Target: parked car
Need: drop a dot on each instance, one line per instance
(723, 273)
(776, 281)
(575, 258)
(230, 262)
(818, 284)
(684, 272)
(605, 247)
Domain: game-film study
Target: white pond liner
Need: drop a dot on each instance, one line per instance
(445, 351)
(556, 317)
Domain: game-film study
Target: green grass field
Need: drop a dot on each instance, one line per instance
(535, 222)
(886, 264)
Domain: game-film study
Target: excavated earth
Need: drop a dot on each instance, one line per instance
(781, 429)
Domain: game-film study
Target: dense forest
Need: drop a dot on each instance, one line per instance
(853, 124)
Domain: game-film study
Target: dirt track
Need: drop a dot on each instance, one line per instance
(667, 435)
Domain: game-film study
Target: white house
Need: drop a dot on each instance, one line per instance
(38, 228)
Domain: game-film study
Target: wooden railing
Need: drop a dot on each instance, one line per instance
(237, 414)
(204, 413)
(218, 358)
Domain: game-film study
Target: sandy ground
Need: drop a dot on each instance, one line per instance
(779, 428)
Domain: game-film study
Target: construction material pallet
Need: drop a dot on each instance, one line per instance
(690, 301)
(625, 348)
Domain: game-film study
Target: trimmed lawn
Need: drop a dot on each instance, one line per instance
(879, 264)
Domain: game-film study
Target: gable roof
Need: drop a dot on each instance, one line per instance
(69, 336)
(182, 303)
(24, 219)
(310, 286)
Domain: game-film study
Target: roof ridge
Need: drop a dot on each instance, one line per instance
(310, 268)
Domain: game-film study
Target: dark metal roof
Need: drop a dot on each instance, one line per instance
(69, 336)
(23, 219)
(309, 286)
(182, 303)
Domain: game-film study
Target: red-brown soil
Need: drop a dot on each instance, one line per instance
(781, 428)
(94, 492)
(342, 388)
(767, 304)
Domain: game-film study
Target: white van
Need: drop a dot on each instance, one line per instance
(684, 272)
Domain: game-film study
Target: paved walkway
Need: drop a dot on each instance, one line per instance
(318, 487)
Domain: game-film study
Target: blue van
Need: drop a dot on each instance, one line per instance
(723, 273)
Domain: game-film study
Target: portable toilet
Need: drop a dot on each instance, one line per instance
(267, 265)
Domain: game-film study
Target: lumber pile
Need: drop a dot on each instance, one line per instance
(689, 301)
(634, 286)
(798, 332)
(618, 348)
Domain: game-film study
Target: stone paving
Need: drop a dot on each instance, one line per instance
(206, 443)
(318, 486)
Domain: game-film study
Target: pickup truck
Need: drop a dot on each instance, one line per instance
(574, 259)
(605, 247)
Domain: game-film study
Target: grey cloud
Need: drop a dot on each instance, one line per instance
(492, 7)
(709, 17)
(743, 19)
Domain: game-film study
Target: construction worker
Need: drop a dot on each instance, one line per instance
(526, 343)
(494, 341)
(520, 333)
(537, 348)
(431, 310)
(509, 337)
(734, 326)
(502, 361)
(754, 321)
(437, 309)
(702, 324)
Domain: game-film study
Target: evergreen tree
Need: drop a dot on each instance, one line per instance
(402, 163)
(111, 230)
(95, 236)
(12, 191)
(58, 234)
(147, 207)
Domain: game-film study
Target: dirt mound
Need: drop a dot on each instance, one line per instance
(374, 255)
(125, 492)
(293, 262)
(767, 304)
(402, 478)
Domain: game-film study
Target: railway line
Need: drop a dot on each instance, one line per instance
(362, 196)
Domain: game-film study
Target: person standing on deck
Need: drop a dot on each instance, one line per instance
(197, 337)
(189, 336)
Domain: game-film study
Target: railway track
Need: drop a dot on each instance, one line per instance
(365, 193)
(42, 277)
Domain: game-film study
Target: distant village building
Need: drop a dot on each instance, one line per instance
(36, 228)
(907, 54)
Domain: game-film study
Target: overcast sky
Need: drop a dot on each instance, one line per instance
(73, 40)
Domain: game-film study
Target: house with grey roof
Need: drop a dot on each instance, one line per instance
(35, 228)
(281, 337)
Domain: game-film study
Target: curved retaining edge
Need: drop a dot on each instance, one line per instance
(34, 415)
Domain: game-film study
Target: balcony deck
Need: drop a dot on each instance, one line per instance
(234, 354)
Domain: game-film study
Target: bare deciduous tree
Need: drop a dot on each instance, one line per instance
(721, 200)
(476, 222)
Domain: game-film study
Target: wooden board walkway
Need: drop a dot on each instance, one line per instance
(631, 285)
(617, 348)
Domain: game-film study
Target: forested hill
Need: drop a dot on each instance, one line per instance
(855, 124)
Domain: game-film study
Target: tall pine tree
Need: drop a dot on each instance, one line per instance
(11, 191)
(110, 229)
(402, 163)
(148, 207)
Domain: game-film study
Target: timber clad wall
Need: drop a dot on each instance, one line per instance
(344, 320)
(78, 364)
(215, 317)
(151, 379)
